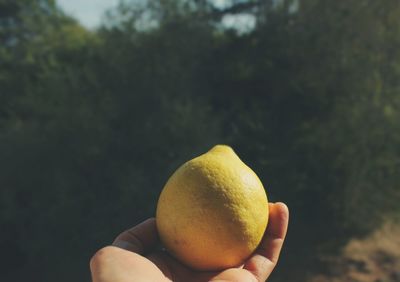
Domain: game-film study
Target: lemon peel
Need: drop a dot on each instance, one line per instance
(213, 211)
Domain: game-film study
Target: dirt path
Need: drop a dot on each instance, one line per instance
(375, 258)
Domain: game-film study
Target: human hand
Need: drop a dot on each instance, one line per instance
(134, 256)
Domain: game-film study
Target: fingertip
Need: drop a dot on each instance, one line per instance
(278, 220)
(124, 245)
(282, 210)
(279, 210)
(139, 238)
(149, 222)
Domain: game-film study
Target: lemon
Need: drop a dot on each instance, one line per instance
(213, 211)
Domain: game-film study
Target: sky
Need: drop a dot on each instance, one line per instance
(88, 12)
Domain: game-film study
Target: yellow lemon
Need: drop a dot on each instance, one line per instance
(213, 211)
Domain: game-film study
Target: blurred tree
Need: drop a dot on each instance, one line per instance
(93, 123)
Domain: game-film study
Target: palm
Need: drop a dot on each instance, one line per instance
(126, 266)
(135, 259)
(175, 271)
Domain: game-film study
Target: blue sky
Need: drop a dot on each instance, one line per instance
(88, 12)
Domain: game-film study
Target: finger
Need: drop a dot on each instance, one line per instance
(266, 256)
(140, 238)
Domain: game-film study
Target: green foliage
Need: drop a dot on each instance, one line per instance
(93, 123)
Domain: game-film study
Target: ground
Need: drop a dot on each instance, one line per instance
(375, 258)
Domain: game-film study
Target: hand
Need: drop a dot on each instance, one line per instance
(134, 257)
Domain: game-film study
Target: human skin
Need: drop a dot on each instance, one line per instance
(134, 256)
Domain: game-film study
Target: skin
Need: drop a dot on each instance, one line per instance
(136, 256)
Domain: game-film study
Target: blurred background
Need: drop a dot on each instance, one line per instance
(101, 102)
